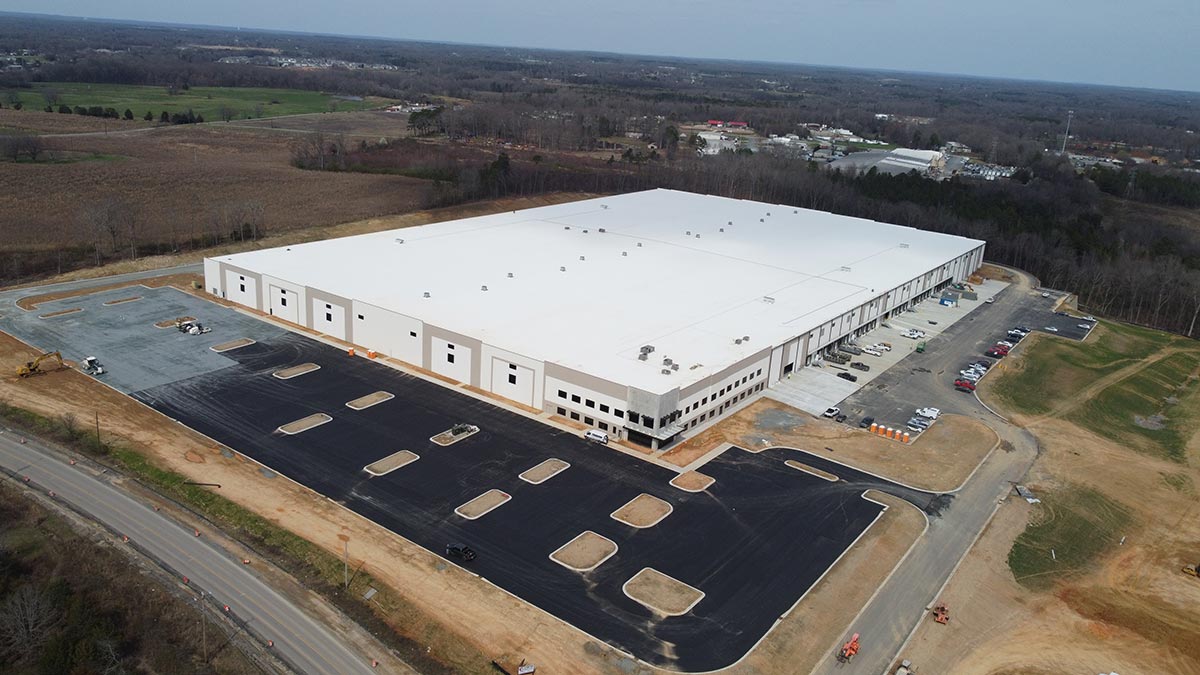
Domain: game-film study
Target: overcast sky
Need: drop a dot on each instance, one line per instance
(1143, 43)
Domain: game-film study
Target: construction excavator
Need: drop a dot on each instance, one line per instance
(941, 613)
(34, 367)
(1193, 570)
(848, 650)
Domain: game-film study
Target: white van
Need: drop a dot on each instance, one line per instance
(597, 436)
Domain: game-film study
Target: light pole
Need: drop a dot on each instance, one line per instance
(1070, 114)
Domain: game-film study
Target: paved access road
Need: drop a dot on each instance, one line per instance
(299, 640)
(923, 379)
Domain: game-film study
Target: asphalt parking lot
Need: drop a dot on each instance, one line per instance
(754, 542)
(927, 379)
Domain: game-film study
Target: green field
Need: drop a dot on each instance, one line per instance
(246, 102)
(1073, 527)
(1055, 370)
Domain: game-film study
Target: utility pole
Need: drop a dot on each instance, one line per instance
(1070, 114)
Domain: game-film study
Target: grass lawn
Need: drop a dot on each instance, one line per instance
(1074, 526)
(205, 101)
(1054, 370)
(1151, 411)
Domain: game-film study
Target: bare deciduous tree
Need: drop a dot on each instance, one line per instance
(26, 619)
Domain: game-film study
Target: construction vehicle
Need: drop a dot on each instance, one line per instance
(190, 326)
(905, 667)
(1193, 570)
(941, 613)
(848, 650)
(91, 366)
(34, 367)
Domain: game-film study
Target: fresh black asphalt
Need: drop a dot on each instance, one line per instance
(754, 542)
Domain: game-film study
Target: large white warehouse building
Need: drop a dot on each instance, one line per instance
(643, 314)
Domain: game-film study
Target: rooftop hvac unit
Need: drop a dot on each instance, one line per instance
(729, 223)
(643, 356)
(582, 258)
(625, 253)
(566, 227)
(903, 245)
(562, 269)
(604, 206)
(722, 229)
(639, 244)
(426, 294)
(483, 288)
(666, 371)
(510, 275)
(585, 231)
(688, 233)
(674, 366)
(602, 230)
(648, 349)
(737, 341)
(667, 361)
(768, 299)
(697, 235)
(845, 269)
(745, 338)
(796, 211)
(762, 220)
(768, 213)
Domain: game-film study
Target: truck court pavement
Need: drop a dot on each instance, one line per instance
(754, 542)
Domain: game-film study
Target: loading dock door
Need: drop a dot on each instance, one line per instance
(285, 304)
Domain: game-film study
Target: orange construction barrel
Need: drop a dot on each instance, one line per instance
(906, 437)
(370, 353)
(874, 427)
(350, 352)
(890, 432)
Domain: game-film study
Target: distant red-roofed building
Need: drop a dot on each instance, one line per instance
(716, 123)
(741, 125)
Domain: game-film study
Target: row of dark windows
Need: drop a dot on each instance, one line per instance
(603, 407)
(724, 390)
(586, 420)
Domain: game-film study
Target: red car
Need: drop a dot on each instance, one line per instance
(965, 383)
(995, 354)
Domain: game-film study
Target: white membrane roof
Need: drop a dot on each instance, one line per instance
(661, 273)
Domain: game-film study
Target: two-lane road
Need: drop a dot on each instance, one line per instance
(300, 640)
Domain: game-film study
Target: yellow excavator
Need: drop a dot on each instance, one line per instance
(1193, 570)
(35, 366)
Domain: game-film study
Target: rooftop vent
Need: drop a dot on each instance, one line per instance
(510, 275)
(582, 258)
(768, 213)
(624, 253)
(639, 244)
(426, 294)
(903, 245)
(643, 356)
(722, 229)
(562, 269)
(483, 288)
(845, 269)
(666, 371)
(399, 240)
(729, 223)
(688, 233)
(796, 211)
(604, 206)
(745, 338)
(737, 341)
(697, 235)
(648, 349)
(585, 231)
(674, 366)
(768, 299)
(566, 227)
(762, 220)
(602, 230)
(667, 361)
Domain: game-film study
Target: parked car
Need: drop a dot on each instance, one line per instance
(1006, 343)
(965, 388)
(1084, 326)
(1023, 329)
(840, 418)
(982, 364)
(859, 365)
(995, 354)
(882, 346)
(1050, 329)
(872, 351)
(866, 422)
(1045, 295)
(456, 550)
(931, 413)
(848, 376)
(831, 412)
(917, 424)
(1089, 318)
(1061, 314)
(990, 300)
(965, 383)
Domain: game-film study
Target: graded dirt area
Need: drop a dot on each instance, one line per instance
(585, 552)
(662, 594)
(295, 371)
(121, 301)
(391, 463)
(544, 471)
(482, 504)
(939, 460)
(232, 344)
(305, 423)
(800, 466)
(369, 400)
(692, 481)
(643, 511)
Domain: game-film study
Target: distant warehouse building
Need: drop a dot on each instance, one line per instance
(643, 314)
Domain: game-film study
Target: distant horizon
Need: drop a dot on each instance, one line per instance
(1190, 86)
